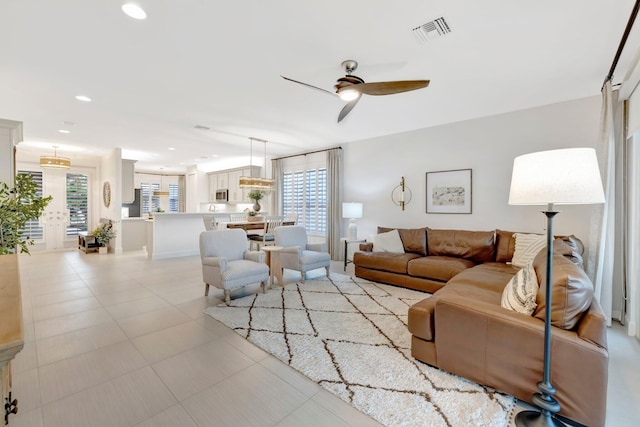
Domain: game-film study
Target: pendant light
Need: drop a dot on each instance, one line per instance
(55, 162)
(251, 183)
(161, 192)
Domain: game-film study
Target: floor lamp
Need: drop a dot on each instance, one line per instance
(566, 176)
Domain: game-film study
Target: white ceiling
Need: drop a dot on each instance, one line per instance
(218, 64)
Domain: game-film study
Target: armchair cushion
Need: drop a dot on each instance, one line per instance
(255, 256)
(215, 261)
(242, 272)
(318, 247)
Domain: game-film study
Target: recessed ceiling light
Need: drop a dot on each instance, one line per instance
(66, 123)
(134, 11)
(63, 131)
(171, 149)
(83, 98)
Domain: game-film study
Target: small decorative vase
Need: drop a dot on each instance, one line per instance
(103, 250)
(256, 206)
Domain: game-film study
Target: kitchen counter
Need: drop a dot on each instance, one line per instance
(134, 234)
(173, 235)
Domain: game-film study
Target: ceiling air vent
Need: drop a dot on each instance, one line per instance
(431, 30)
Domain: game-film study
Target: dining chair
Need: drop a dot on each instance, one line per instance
(237, 217)
(292, 216)
(210, 222)
(266, 238)
(228, 265)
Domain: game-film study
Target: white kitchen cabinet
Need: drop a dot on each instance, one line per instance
(230, 180)
(213, 186)
(235, 192)
(223, 180)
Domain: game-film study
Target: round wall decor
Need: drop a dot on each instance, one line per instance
(106, 194)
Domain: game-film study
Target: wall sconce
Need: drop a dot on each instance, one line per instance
(401, 195)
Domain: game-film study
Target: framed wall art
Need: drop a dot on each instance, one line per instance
(449, 192)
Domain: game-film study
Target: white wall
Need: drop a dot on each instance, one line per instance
(488, 146)
(10, 136)
(111, 171)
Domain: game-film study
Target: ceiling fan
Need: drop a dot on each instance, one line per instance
(351, 87)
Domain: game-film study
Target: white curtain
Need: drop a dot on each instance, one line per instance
(334, 201)
(633, 239)
(182, 193)
(276, 175)
(607, 244)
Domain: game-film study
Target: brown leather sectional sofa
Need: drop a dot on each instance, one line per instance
(463, 329)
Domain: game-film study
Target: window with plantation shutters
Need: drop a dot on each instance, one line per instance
(32, 229)
(77, 203)
(305, 192)
(173, 198)
(150, 203)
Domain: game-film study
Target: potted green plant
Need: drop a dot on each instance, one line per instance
(103, 235)
(256, 196)
(18, 205)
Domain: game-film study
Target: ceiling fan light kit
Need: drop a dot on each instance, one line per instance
(351, 87)
(349, 95)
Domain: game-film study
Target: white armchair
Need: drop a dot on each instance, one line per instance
(228, 265)
(297, 253)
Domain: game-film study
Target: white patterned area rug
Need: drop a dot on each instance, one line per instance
(350, 336)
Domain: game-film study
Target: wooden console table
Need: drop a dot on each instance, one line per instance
(11, 333)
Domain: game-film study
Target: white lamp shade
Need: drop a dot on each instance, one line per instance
(566, 176)
(352, 210)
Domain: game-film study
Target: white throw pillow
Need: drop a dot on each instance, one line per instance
(527, 247)
(388, 242)
(520, 293)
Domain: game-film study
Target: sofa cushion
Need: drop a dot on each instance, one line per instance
(413, 239)
(569, 247)
(571, 290)
(438, 267)
(385, 261)
(527, 247)
(484, 282)
(388, 242)
(505, 245)
(474, 245)
(520, 293)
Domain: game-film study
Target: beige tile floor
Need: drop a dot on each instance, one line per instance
(118, 340)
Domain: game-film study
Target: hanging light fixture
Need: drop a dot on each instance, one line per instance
(161, 192)
(54, 161)
(251, 183)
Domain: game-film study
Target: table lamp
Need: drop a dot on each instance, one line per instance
(352, 211)
(565, 176)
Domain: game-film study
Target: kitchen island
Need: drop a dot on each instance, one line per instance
(173, 235)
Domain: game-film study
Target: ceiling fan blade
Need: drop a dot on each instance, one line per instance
(347, 108)
(311, 86)
(387, 88)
